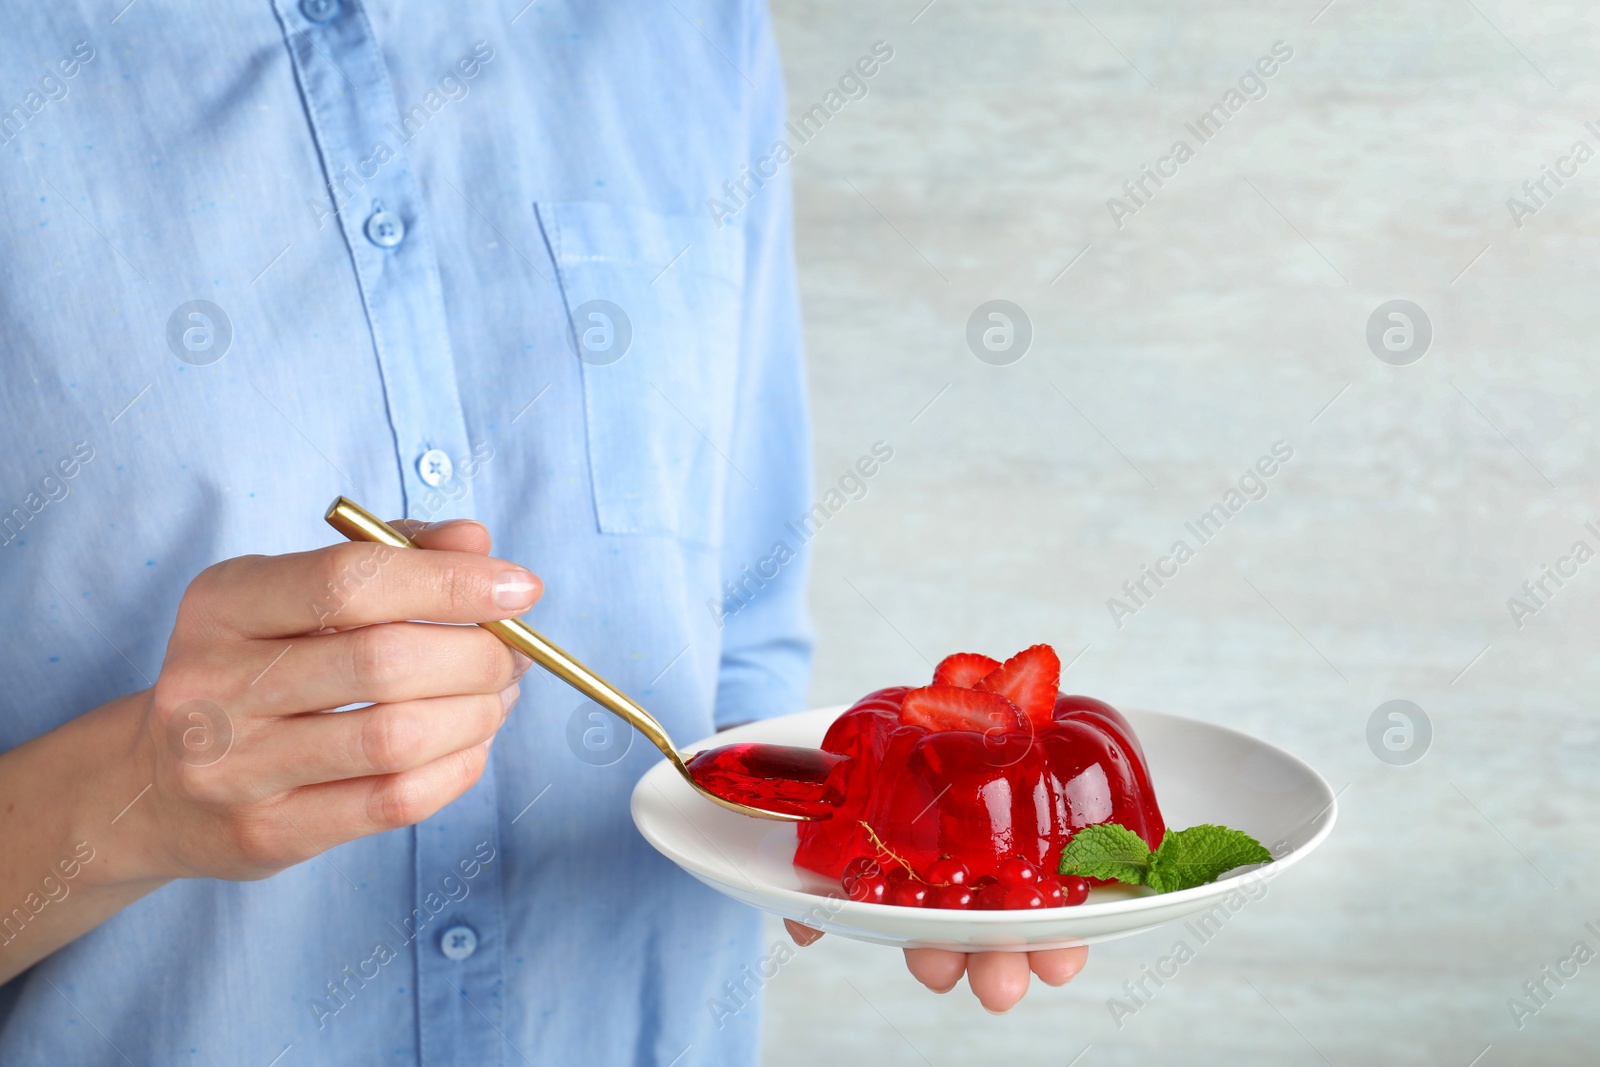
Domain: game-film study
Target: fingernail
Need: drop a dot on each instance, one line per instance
(522, 662)
(514, 589)
(508, 696)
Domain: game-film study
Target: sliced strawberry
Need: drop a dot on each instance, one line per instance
(963, 669)
(952, 707)
(1029, 680)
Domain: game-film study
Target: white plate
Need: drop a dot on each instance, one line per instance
(1202, 773)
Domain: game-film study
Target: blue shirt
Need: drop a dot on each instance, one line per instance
(490, 260)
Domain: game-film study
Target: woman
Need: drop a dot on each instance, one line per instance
(456, 264)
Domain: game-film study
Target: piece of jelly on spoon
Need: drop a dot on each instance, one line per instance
(781, 778)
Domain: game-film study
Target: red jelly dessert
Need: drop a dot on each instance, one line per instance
(974, 784)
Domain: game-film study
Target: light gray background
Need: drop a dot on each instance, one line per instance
(1225, 315)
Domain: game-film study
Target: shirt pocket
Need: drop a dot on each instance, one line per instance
(653, 302)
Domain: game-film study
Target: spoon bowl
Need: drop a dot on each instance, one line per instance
(776, 778)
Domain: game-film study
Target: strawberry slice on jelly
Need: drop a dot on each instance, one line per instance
(1029, 680)
(937, 708)
(964, 669)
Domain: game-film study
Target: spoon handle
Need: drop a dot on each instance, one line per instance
(359, 524)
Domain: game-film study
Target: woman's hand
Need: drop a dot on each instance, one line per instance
(252, 772)
(997, 979)
(235, 763)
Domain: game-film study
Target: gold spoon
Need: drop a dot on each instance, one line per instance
(785, 762)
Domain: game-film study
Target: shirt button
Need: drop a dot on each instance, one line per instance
(319, 10)
(458, 942)
(384, 229)
(435, 467)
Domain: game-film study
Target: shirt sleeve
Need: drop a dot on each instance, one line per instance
(766, 632)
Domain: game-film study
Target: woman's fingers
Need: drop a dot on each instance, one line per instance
(1058, 966)
(936, 968)
(998, 979)
(353, 584)
(803, 935)
(382, 739)
(387, 663)
(317, 817)
(447, 535)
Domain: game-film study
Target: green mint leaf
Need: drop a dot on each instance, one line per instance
(1107, 850)
(1200, 854)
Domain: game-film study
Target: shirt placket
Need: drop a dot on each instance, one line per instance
(372, 195)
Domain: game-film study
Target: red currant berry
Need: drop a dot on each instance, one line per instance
(947, 870)
(991, 897)
(956, 897)
(868, 887)
(1054, 895)
(1016, 871)
(1075, 888)
(1024, 896)
(909, 894)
